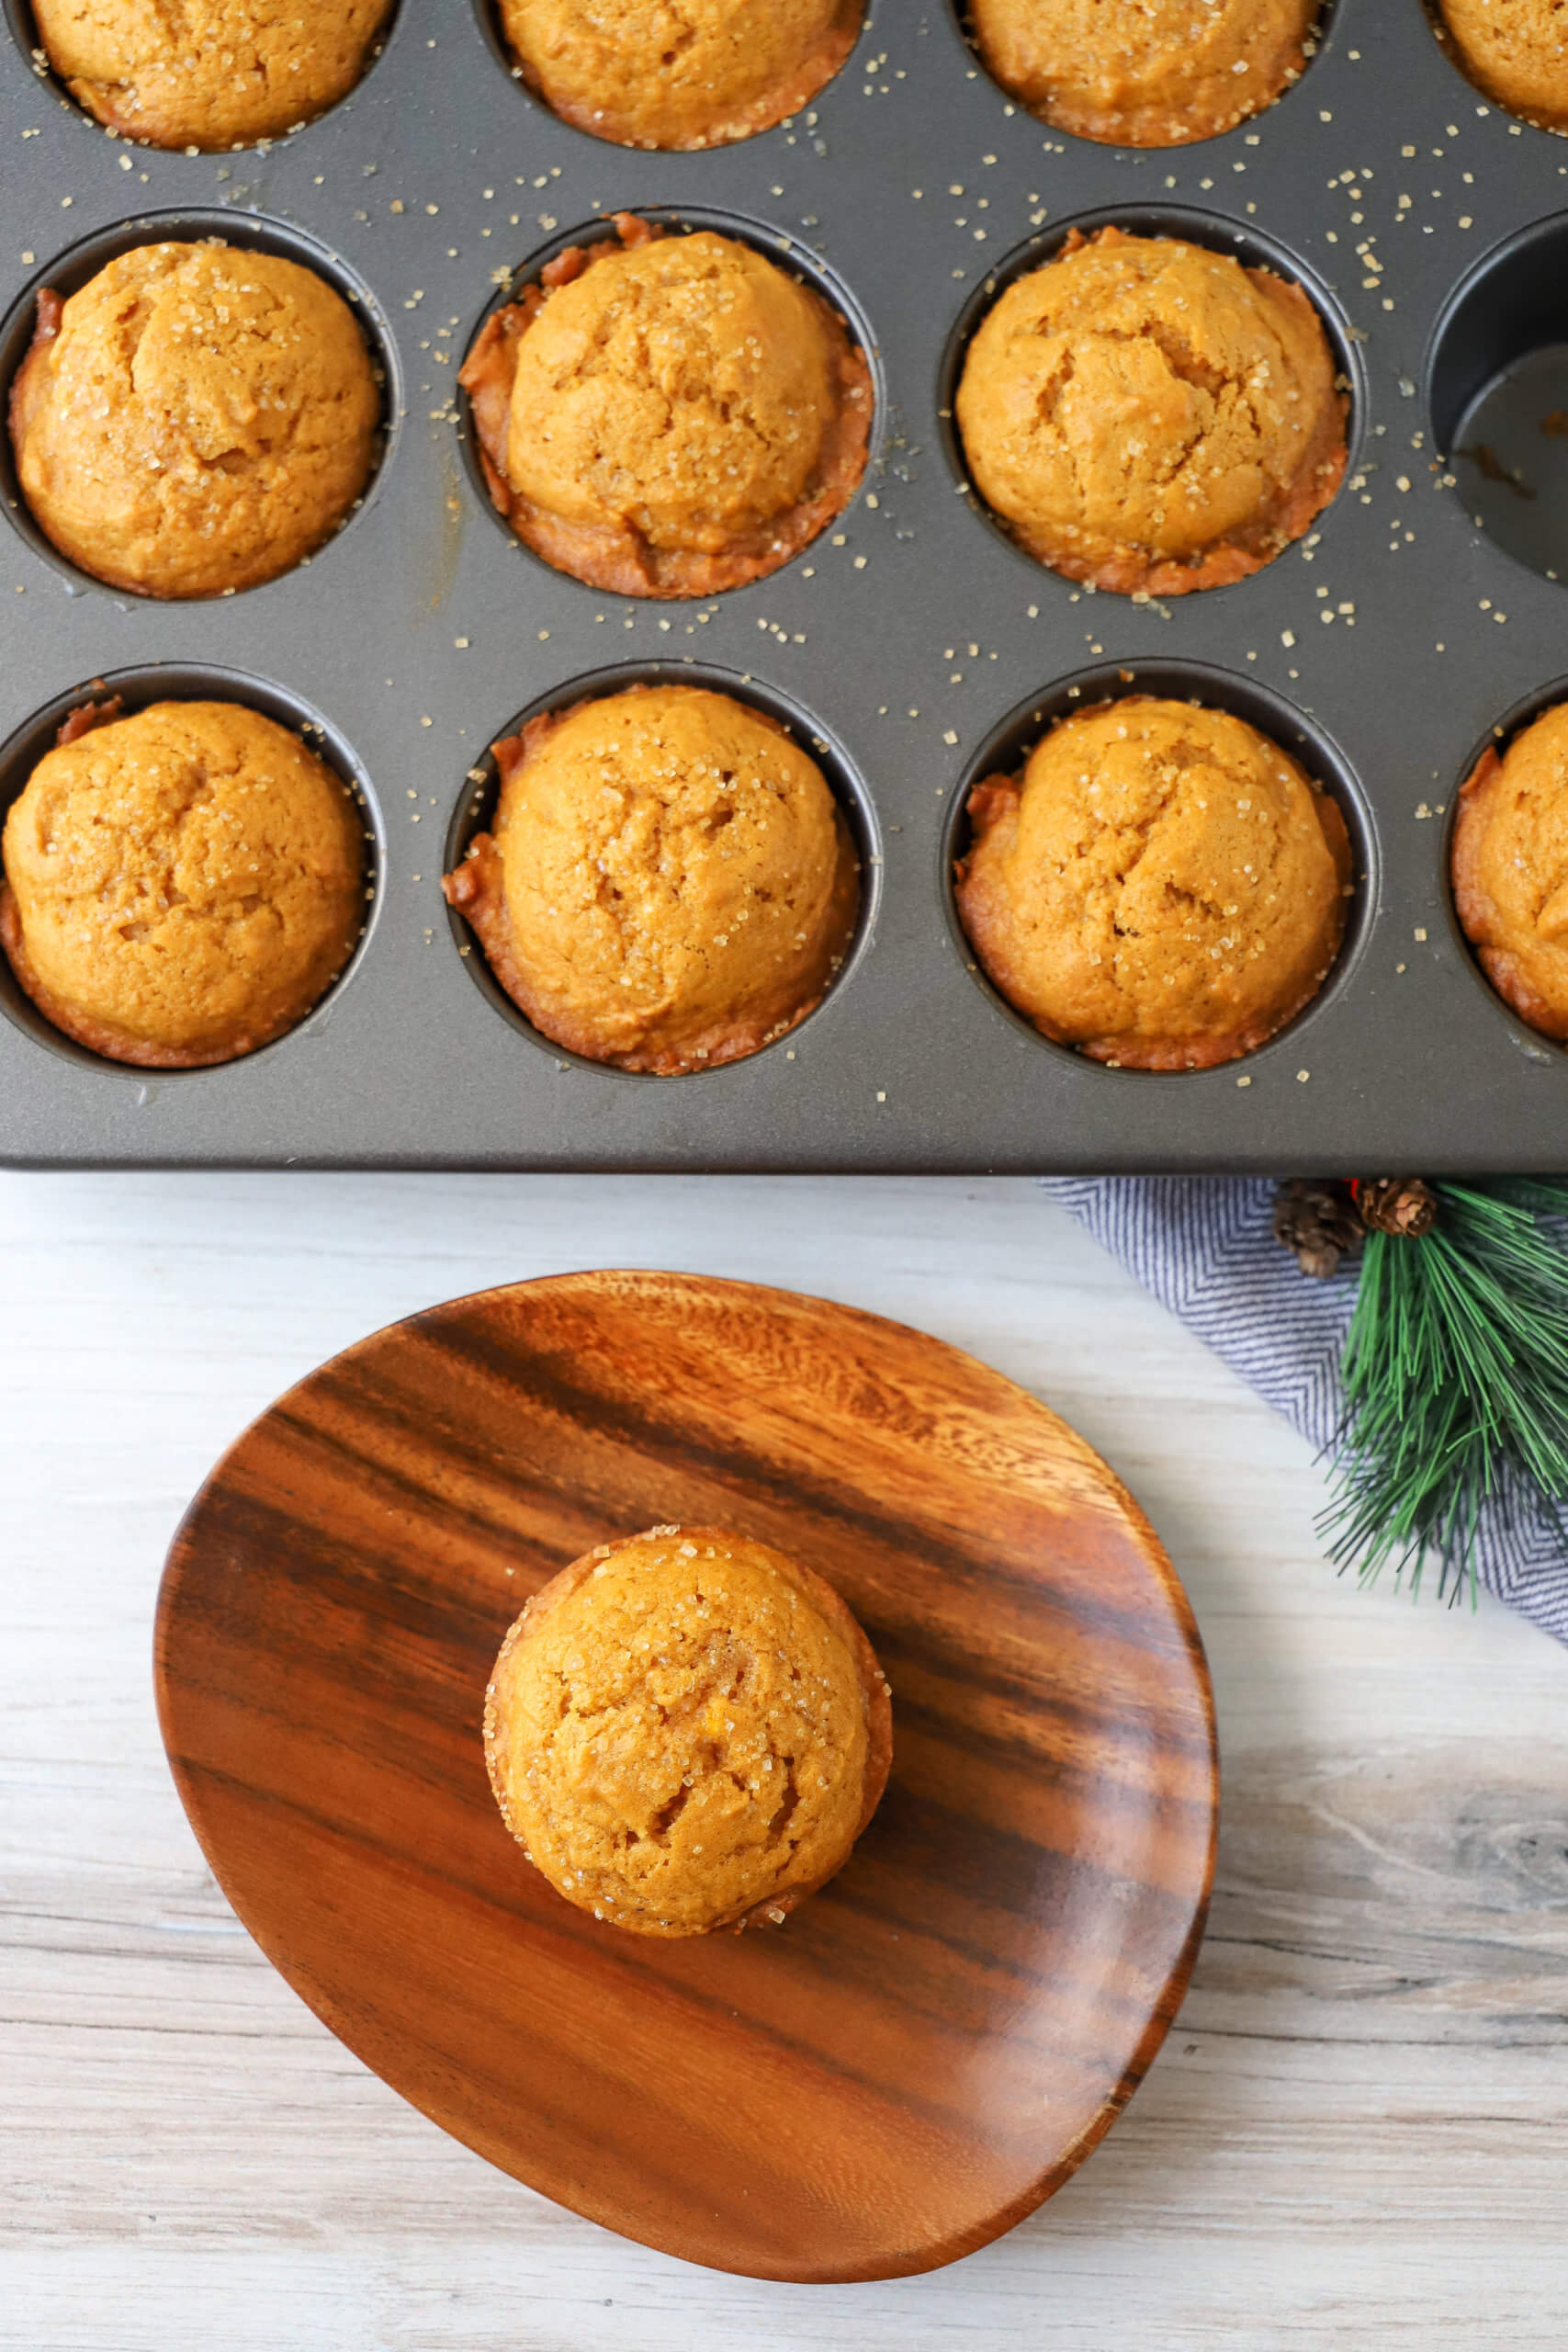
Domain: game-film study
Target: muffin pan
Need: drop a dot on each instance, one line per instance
(912, 639)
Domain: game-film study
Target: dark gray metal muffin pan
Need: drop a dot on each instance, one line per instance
(913, 640)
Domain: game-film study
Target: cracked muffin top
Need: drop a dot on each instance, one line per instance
(679, 74)
(1143, 73)
(182, 885)
(1510, 870)
(669, 415)
(196, 420)
(1150, 416)
(1517, 51)
(208, 73)
(1163, 888)
(669, 882)
(686, 1730)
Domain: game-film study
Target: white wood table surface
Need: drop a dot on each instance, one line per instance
(1358, 2132)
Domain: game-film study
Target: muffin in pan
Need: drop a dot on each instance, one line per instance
(208, 73)
(669, 414)
(1510, 870)
(1143, 73)
(181, 886)
(687, 1730)
(1163, 886)
(1147, 415)
(196, 420)
(670, 883)
(703, 74)
(1517, 51)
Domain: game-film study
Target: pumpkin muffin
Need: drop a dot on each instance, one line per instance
(1143, 73)
(182, 885)
(669, 884)
(1510, 870)
(1163, 886)
(700, 73)
(686, 1730)
(196, 420)
(669, 415)
(210, 74)
(1150, 416)
(1517, 51)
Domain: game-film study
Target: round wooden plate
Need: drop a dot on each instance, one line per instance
(928, 2048)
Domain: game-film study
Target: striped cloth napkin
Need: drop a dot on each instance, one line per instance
(1205, 1247)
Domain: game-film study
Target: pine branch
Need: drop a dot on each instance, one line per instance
(1456, 1381)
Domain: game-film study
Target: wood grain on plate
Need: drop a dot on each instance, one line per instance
(930, 2046)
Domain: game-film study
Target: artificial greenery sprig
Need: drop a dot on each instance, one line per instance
(1456, 1381)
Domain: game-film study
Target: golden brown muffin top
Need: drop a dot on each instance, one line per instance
(1510, 870)
(669, 884)
(685, 1728)
(1165, 888)
(669, 415)
(1148, 414)
(1517, 51)
(197, 418)
(181, 885)
(210, 73)
(1143, 73)
(679, 74)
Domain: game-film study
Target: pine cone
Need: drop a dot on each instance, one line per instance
(1401, 1205)
(1318, 1218)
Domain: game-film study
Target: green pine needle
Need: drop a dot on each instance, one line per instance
(1456, 1381)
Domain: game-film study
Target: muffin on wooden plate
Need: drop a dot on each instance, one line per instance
(687, 1730)
(1163, 886)
(1510, 870)
(1517, 51)
(652, 74)
(210, 73)
(1148, 415)
(1143, 73)
(669, 415)
(180, 887)
(198, 419)
(669, 882)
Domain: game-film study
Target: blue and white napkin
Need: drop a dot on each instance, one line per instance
(1205, 1247)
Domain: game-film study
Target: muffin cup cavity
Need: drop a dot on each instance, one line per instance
(776, 245)
(1497, 395)
(475, 808)
(79, 264)
(189, 681)
(1005, 750)
(962, 16)
(1253, 248)
(493, 34)
(1499, 738)
(23, 26)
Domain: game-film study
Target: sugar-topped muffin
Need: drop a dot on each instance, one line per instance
(687, 1730)
(1163, 886)
(699, 73)
(1510, 870)
(669, 415)
(669, 882)
(196, 419)
(182, 885)
(1517, 51)
(1146, 414)
(210, 73)
(1143, 73)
